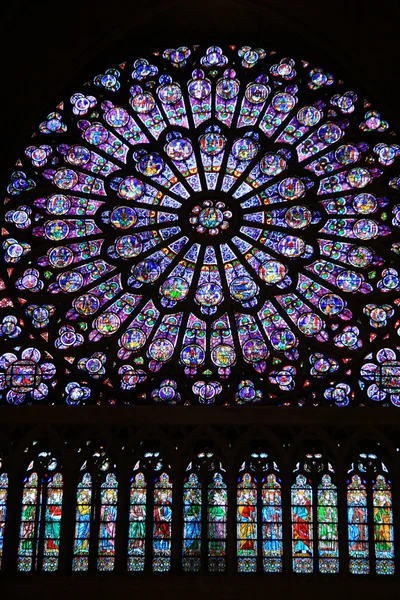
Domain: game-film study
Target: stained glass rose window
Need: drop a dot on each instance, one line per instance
(206, 226)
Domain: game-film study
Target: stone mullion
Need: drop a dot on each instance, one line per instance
(67, 532)
(342, 518)
(286, 517)
(177, 519)
(231, 541)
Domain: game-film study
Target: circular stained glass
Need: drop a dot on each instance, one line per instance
(206, 221)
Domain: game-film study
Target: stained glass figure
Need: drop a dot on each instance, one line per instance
(357, 518)
(383, 526)
(137, 523)
(231, 214)
(27, 546)
(302, 526)
(272, 535)
(3, 509)
(107, 526)
(83, 519)
(162, 523)
(192, 523)
(328, 534)
(217, 511)
(52, 522)
(247, 524)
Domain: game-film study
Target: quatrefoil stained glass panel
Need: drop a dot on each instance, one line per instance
(204, 225)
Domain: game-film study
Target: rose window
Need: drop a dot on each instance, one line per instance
(206, 227)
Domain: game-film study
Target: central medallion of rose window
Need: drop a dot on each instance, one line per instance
(210, 217)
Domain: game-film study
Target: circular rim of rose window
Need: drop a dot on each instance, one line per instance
(205, 225)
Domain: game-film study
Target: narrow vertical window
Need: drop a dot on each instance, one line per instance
(52, 528)
(191, 560)
(272, 525)
(108, 522)
(216, 523)
(3, 509)
(328, 538)
(357, 519)
(162, 517)
(247, 524)
(82, 524)
(383, 526)
(137, 524)
(27, 547)
(302, 526)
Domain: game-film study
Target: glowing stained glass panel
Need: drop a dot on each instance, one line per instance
(192, 514)
(162, 523)
(189, 189)
(27, 547)
(137, 523)
(107, 526)
(357, 519)
(247, 524)
(3, 509)
(82, 524)
(328, 535)
(217, 511)
(383, 526)
(302, 526)
(272, 535)
(52, 526)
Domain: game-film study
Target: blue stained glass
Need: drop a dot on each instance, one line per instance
(192, 524)
(3, 509)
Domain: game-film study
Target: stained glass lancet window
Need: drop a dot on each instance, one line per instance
(247, 523)
(217, 512)
(302, 525)
(203, 211)
(259, 516)
(137, 523)
(328, 533)
(162, 523)
(272, 537)
(41, 514)
(383, 526)
(370, 517)
(108, 518)
(314, 501)
(192, 523)
(83, 518)
(3, 509)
